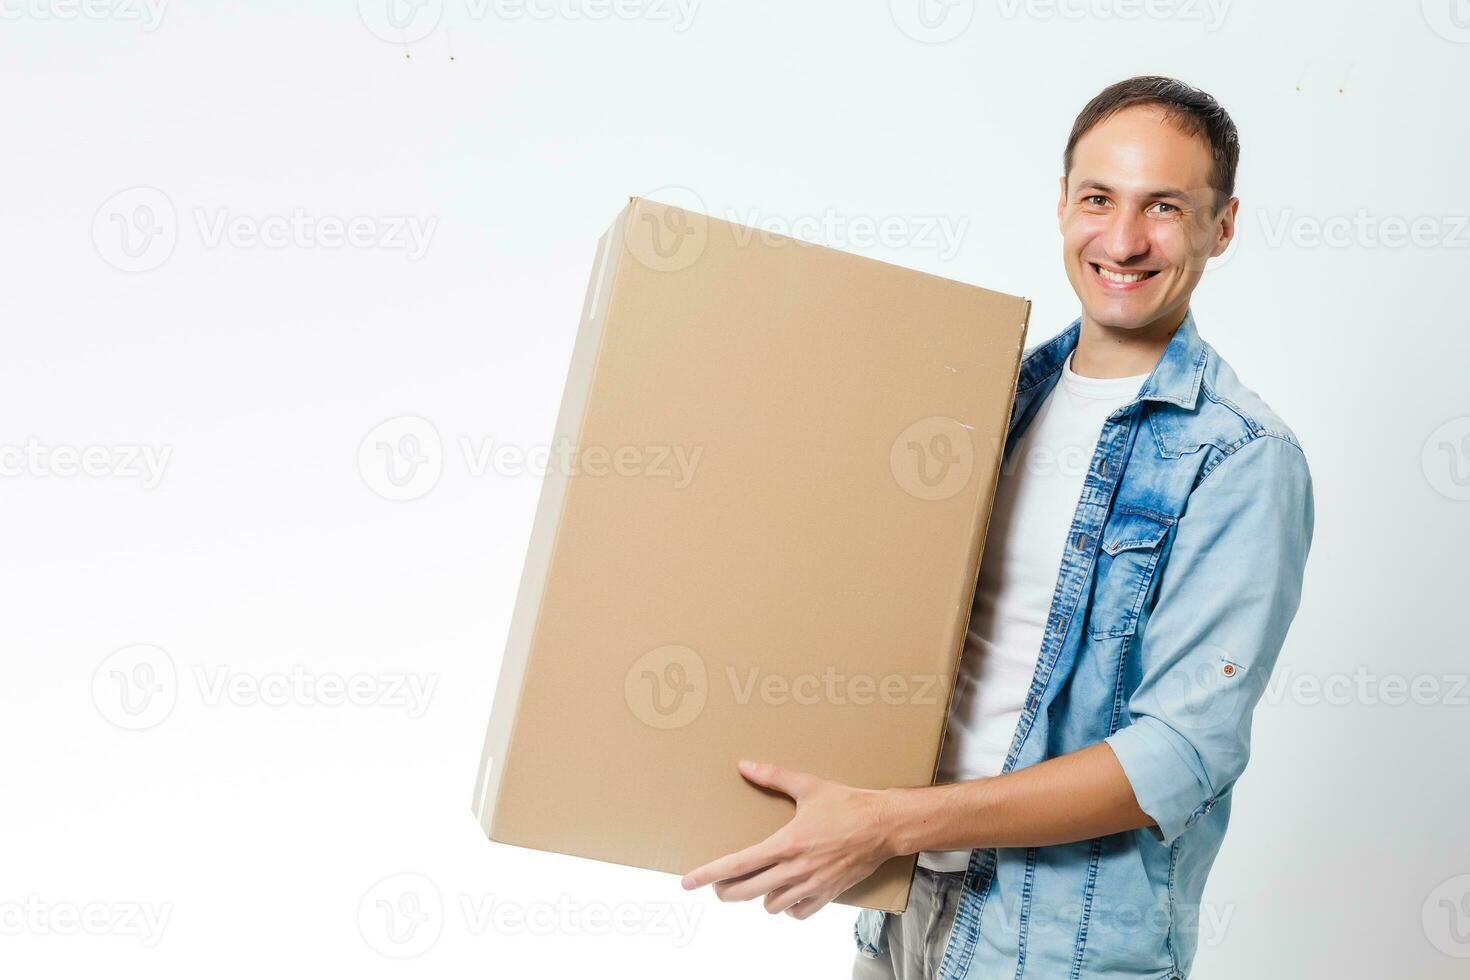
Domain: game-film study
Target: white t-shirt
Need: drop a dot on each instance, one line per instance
(1035, 501)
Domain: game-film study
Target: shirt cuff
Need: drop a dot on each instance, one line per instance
(1168, 788)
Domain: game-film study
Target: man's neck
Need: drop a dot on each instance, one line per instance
(1117, 352)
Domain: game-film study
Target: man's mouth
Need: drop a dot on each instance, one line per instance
(1116, 279)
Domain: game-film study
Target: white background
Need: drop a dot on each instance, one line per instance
(261, 829)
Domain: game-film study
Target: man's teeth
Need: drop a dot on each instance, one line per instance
(1112, 276)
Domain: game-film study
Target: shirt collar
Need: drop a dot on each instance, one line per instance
(1175, 378)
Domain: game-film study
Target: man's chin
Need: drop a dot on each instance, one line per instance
(1109, 316)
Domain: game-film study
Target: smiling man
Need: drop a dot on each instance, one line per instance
(1144, 561)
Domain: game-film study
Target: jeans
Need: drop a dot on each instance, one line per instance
(913, 943)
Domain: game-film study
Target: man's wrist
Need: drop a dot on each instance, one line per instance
(911, 817)
(890, 818)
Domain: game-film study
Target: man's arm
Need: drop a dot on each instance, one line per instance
(1077, 796)
(840, 834)
(1229, 590)
(1227, 593)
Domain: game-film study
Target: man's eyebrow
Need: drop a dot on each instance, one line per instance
(1173, 192)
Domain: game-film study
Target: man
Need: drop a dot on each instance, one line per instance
(1144, 561)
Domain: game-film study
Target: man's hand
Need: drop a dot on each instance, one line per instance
(840, 834)
(837, 838)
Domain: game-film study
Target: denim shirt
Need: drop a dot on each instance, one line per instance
(1182, 571)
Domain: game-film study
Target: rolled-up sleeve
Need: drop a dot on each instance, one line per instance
(1228, 590)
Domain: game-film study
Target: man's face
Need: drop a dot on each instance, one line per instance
(1138, 219)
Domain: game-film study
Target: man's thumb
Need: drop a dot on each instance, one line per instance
(787, 781)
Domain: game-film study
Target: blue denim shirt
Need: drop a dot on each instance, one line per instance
(1182, 572)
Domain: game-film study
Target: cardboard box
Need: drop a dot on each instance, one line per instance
(764, 545)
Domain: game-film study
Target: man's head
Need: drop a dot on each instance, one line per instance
(1147, 197)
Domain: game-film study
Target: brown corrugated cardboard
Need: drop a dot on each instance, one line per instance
(758, 538)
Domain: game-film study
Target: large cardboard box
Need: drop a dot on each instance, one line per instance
(758, 538)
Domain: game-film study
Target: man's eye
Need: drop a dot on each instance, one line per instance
(1095, 200)
(1171, 207)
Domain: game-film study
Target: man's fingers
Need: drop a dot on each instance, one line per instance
(753, 858)
(754, 886)
(785, 899)
(806, 908)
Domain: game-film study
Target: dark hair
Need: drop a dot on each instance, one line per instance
(1195, 112)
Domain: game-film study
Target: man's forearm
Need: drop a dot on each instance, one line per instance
(1078, 796)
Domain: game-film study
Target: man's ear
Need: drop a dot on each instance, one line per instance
(1226, 230)
(1061, 198)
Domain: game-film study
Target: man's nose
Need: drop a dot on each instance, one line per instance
(1126, 238)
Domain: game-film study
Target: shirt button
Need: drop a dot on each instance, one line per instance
(1228, 670)
(1081, 542)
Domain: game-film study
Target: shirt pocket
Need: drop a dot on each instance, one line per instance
(1128, 554)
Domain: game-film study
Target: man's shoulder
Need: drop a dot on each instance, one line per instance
(1229, 413)
(1233, 431)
